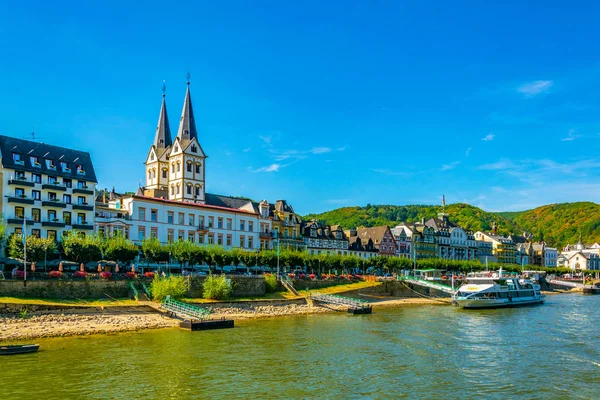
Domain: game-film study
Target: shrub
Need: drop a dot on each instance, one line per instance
(55, 274)
(149, 275)
(173, 286)
(216, 287)
(105, 275)
(80, 274)
(312, 276)
(271, 283)
(130, 275)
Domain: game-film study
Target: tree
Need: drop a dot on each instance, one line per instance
(118, 248)
(154, 251)
(37, 248)
(82, 249)
(183, 251)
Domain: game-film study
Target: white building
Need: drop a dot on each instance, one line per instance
(550, 256)
(52, 187)
(580, 256)
(174, 204)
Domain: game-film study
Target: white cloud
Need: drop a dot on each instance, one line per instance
(266, 139)
(488, 137)
(247, 149)
(450, 166)
(571, 136)
(534, 88)
(320, 150)
(268, 168)
(345, 147)
(468, 151)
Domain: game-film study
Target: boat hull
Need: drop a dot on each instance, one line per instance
(21, 349)
(495, 303)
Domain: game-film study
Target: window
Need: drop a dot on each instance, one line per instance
(36, 214)
(229, 223)
(165, 173)
(36, 194)
(172, 190)
(149, 175)
(191, 220)
(64, 166)
(52, 216)
(81, 218)
(170, 235)
(180, 218)
(152, 155)
(154, 233)
(211, 238)
(19, 212)
(18, 159)
(197, 190)
(142, 214)
(194, 148)
(250, 242)
(250, 227)
(242, 225)
(180, 235)
(154, 215)
(189, 167)
(170, 216)
(228, 242)
(20, 175)
(220, 223)
(153, 173)
(220, 239)
(141, 233)
(242, 241)
(67, 198)
(35, 233)
(35, 161)
(37, 178)
(177, 189)
(68, 183)
(197, 168)
(191, 236)
(200, 238)
(52, 180)
(51, 235)
(211, 222)
(178, 166)
(82, 185)
(19, 192)
(18, 231)
(66, 217)
(189, 189)
(50, 164)
(80, 169)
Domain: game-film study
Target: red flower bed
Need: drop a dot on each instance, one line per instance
(291, 275)
(55, 274)
(149, 275)
(20, 274)
(130, 275)
(105, 275)
(312, 276)
(80, 274)
(302, 276)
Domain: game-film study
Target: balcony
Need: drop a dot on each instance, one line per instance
(202, 228)
(18, 220)
(54, 222)
(83, 206)
(54, 203)
(266, 234)
(83, 190)
(83, 226)
(21, 199)
(21, 181)
(55, 186)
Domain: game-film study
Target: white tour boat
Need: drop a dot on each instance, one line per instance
(492, 290)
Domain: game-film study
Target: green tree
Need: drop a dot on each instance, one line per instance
(82, 249)
(118, 248)
(154, 251)
(183, 251)
(37, 248)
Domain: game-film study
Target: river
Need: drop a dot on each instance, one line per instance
(426, 352)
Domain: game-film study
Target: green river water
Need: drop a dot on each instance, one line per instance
(429, 352)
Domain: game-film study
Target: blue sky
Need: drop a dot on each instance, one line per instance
(325, 104)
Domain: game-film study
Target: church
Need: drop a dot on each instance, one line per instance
(173, 205)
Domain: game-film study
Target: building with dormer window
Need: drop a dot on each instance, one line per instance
(52, 187)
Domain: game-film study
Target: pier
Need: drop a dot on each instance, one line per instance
(194, 318)
(355, 306)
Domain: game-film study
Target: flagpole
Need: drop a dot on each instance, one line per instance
(24, 251)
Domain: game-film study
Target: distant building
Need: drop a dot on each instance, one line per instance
(381, 237)
(324, 239)
(52, 187)
(502, 247)
(580, 256)
(403, 236)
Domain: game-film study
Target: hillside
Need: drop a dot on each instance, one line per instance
(557, 224)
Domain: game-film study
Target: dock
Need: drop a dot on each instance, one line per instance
(355, 306)
(194, 318)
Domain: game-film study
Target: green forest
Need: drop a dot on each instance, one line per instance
(556, 224)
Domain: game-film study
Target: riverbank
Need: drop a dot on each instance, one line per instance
(103, 320)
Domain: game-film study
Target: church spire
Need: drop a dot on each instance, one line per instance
(187, 124)
(162, 139)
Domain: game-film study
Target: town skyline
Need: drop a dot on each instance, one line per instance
(322, 131)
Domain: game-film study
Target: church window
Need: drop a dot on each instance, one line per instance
(178, 166)
(165, 173)
(189, 189)
(149, 175)
(194, 148)
(176, 148)
(172, 190)
(152, 157)
(177, 189)
(189, 166)
(197, 168)
(153, 173)
(197, 190)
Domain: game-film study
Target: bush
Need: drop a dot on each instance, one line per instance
(271, 283)
(105, 275)
(55, 274)
(173, 286)
(216, 287)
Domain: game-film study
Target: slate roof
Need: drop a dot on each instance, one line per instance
(439, 224)
(162, 139)
(187, 123)
(375, 233)
(226, 201)
(27, 148)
